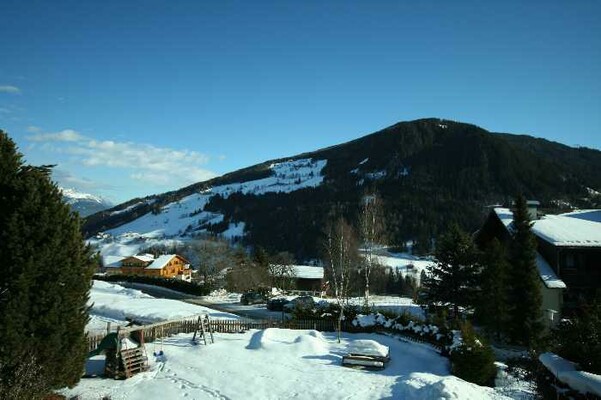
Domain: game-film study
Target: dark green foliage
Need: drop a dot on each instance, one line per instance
(525, 325)
(579, 339)
(453, 279)
(474, 360)
(45, 275)
(173, 284)
(326, 311)
(492, 308)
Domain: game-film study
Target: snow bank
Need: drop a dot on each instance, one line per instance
(117, 303)
(566, 372)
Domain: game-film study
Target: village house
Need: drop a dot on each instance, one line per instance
(300, 277)
(164, 266)
(568, 254)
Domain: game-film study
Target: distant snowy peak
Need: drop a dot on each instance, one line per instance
(84, 203)
(72, 196)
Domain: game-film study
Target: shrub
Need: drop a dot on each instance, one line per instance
(579, 339)
(473, 360)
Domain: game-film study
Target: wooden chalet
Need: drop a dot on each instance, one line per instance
(163, 266)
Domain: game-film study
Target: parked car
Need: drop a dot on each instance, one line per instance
(252, 298)
(277, 303)
(305, 302)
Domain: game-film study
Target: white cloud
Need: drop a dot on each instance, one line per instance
(66, 179)
(10, 89)
(33, 129)
(161, 167)
(67, 135)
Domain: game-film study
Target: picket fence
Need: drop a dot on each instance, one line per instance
(150, 333)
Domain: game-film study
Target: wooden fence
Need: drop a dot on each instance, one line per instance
(187, 325)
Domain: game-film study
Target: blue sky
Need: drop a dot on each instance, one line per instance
(135, 98)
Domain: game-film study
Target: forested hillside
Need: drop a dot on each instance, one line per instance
(429, 173)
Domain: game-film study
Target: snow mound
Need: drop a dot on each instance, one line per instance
(420, 386)
(311, 342)
(368, 348)
(283, 340)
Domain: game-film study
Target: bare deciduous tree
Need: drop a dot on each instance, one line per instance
(371, 226)
(281, 270)
(341, 253)
(211, 256)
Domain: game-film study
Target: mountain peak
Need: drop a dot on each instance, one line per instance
(84, 203)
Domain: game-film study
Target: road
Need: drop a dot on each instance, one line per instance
(255, 311)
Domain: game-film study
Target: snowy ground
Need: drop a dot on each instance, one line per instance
(281, 364)
(269, 364)
(116, 304)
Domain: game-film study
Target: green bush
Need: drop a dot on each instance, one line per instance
(579, 339)
(473, 360)
(173, 284)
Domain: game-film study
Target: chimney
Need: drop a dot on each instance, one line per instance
(533, 209)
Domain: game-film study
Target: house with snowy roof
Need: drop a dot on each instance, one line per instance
(568, 253)
(164, 266)
(304, 277)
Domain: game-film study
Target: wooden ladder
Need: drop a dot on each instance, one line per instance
(203, 325)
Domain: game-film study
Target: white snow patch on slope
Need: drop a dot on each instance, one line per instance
(405, 264)
(188, 214)
(376, 175)
(235, 230)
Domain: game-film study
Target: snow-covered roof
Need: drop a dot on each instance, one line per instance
(144, 257)
(161, 261)
(506, 216)
(575, 229)
(547, 274)
(307, 272)
(112, 261)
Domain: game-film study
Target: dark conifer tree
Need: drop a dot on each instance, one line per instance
(453, 279)
(525, 296)
(391, 281)
(492, 308)
(45, 277)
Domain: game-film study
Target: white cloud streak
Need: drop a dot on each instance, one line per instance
(67, 135)
(158, 166)
(9, 89)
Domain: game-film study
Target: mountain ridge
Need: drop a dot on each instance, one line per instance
(428, 171)
(84, 203)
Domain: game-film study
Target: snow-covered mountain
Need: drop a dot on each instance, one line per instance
(428, 172)
(84, 203)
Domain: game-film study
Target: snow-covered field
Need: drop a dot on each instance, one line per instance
(116, 304)
(269, 364)
(284, 364)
